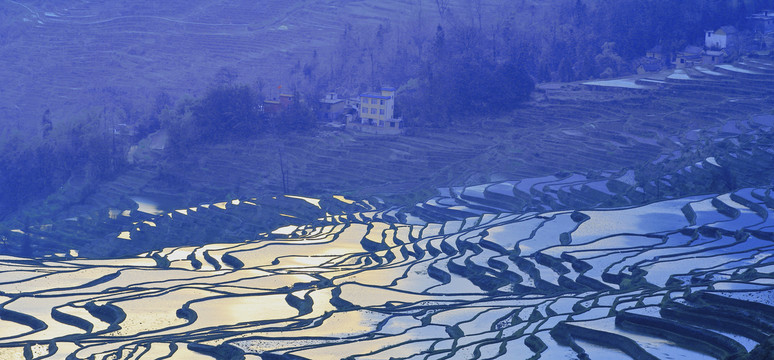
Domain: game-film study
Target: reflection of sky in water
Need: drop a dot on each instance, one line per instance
(146, 205)
(343, 293)
(653, 218)
(660, 348)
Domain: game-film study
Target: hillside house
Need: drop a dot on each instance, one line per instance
(125, 130)
(727, 37)
(276, 106)
(331, 107)
(713, 57)
(690, 56)
(763, 22)
(648, 65)
(656, 52)
(377, 113)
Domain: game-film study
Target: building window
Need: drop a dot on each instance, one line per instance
(373, 110)
(381, 111)
(365, 110)
(392, 124)
(381, 122)
(365, 101)
(381, 102)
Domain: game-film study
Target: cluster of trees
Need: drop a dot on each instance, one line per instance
(449, 64)
(473, 57)
(82, 152)
(459, 78)
(231, 111)
(470, 49)
(600, 38)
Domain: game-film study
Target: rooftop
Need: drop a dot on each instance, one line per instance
(656, 49)
(728, 29)
(375, 96)
(763, 15)
(692, 50)
(331, 101)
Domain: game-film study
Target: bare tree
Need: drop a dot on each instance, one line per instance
(478, 13)
(443, 7)
(260, 84)
(46, 124)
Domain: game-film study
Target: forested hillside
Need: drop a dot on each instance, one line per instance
(75, 73)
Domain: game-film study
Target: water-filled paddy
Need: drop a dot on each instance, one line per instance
(495, 284)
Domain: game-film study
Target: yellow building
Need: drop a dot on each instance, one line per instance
(376, 112)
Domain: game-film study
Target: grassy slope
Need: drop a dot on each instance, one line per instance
(564, 129)
(77, 57)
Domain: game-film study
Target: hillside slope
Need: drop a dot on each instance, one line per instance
(80, 57)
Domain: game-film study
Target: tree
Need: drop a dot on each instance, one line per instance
(609, 63)
(298, 117)
(45, 123)
(443, 7)
(225, 76)
(226, 111)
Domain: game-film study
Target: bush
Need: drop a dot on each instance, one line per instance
(226, 111)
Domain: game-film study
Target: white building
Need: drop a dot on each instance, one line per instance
(376, 113)
(720, 39)
(763, 22)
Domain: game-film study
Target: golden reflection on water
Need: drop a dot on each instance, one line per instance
(315, 202)
(343, 199)
(241, 309)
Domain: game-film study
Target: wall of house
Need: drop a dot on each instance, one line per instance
(715, 40)
(378, 130)
(376, 108)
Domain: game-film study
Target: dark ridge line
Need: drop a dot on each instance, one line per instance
(755, 207)
(146, 349)
(35, 324)
(71, 320)
(388, 347)
(211, 260)
(195, 263)
(710, 256)
(219, 352)
(406, 272)
(232, 261)
(707, 317)
(148, 285)
(101, 280)
(654, 247)
(302, 324)
(28, 279)
(687, 336)
(285, 356)
(205, 333)
(108, 313)
(565, 330)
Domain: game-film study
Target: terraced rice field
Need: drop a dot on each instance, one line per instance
(641, 263)
(573, 129)
(625, 250)
(689, 277)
